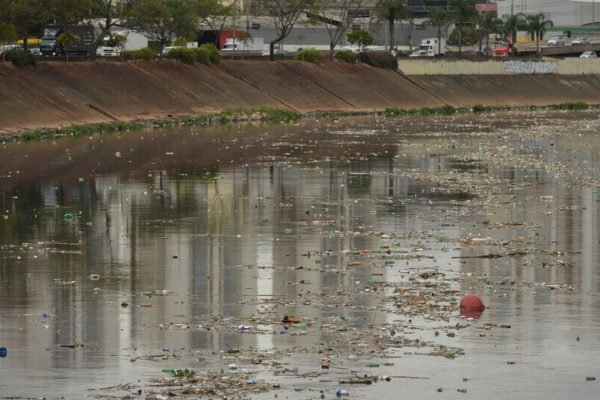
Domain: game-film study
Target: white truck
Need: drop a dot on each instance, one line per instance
(246, 44)
(133, 41)
(430, 48)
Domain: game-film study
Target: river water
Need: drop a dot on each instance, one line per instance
(124, 256)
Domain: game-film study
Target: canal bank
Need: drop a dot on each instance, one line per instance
(61, 94)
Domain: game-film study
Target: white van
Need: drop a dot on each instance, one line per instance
(556, 41)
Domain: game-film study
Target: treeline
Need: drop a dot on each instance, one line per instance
(164, 20)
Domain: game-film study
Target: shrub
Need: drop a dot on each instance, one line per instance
(379, 60)
(202, 56)
(20, 58)
(146, 54)
(183, 54)
(478, 108)
(310, 55)
(447, 110)
(205, 54)
(346, 55)
(213, 52)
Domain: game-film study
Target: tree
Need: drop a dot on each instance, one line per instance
(537, 24)
(334, 15)
(488, 24)
(285, 13)
(27, 17)
(440, 18)
(512, 24)
(8, 34)
(361, 37)
(105, 15)
(30, 17)
(66, 40)
(164, 20)
(117, 40)
(214, 14)
(392, 11)
(463, 12)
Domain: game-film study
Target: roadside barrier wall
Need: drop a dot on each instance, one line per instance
(569, 66)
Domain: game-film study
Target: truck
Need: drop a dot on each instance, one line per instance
(245, 44)
(133, 41)
(503, 48)
(49, 45)
(430, 47)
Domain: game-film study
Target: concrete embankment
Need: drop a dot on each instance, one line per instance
(60, 94)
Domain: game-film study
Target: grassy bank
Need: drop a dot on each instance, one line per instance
(266, 115)
(262, 114)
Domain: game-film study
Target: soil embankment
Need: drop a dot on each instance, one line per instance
(60, 94)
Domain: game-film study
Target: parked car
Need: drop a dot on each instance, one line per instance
(580, 40)
(107, 51)
(353, 49)
(9, 47)
(276, 51)
(556, 41)
(588, 54)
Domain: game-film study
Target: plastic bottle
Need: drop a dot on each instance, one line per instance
(341, 392)
(3, 352)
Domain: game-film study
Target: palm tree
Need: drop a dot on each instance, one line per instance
(512, 24)
(488, 24)
(463, 11)
(66, 40)
(537, 24)
(439, 18)
(392, 11)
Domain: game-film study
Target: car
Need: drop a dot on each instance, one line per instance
(353, 49)
(167, 49)
(589, 54)
(107, 51)
(276, 52)
(9, 47)
(580, 40)
(556, 41)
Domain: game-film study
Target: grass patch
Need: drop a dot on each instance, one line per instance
(78, 130)
(379, 60)
(145, 54)
(426, 111)
(206, 54)
(263, 114)
(20, 58)
(346, 55)
(479, 108)
(310, 55)
(576, 106)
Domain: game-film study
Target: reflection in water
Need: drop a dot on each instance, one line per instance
(191, 231)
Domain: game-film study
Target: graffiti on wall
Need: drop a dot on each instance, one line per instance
(530, 67)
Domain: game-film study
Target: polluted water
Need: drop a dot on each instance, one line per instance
(359, 257)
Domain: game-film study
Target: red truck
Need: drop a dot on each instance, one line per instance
(503, 48)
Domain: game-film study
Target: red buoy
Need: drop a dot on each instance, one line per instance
(471, 303)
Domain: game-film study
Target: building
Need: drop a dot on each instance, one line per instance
(564, 13)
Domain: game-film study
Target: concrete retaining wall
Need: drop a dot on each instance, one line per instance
(569, 66)
(59, 94)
